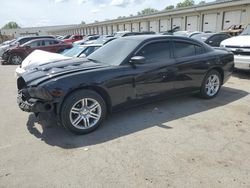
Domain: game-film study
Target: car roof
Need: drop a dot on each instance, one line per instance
(145, 38)
(148, 37)
(47, 36)
(88, 45)
(42, 39)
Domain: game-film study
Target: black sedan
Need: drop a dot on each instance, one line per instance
(212, 39)
(126, 71)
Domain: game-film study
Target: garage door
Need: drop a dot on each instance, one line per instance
(121, 27)
(135, 27)
(209, 22)
(115, 28)
(110, 30)
(127, 27)
(176, 22)
(192, 23)
(100, 31)
(231, 18)
(154, 26)
(163, 25)
(144, 26)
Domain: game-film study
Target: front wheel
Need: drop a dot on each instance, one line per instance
(211, 85)
(15, 59)
(83, 111)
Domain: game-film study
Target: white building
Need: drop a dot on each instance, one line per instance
(33, 30)
(212, 17)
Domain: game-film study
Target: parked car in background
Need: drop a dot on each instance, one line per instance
(171, 31)
(128, 33)
(126, 71)
(212, 39)
(81, 50)
(20, 41)
(186, 33)
(234, 30)
(73, 38)
(7, 42)
(16, 54)
(37, 58)
(90, 39)
(240, 46)
(66, 37)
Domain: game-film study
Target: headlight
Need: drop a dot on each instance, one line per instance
(39, 93)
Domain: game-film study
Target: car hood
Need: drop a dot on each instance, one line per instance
(53, 70)
(240, 41)
(39, 57)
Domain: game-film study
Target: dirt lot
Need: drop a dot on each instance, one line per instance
(181, 142)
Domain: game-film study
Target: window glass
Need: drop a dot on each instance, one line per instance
(47, 42)
(50, 42)
(198, 50)
(55, 42)
(157, 52)
(35, 44)
(185, 49)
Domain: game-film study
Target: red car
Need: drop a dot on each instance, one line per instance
(17, 54)
(73, 38)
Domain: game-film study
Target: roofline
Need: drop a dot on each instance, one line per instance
(164, 13)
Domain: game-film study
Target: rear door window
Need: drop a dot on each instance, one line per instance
(35, 44)
(186, 49)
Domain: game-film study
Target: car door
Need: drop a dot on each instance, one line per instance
(190, 64)
(155, 75)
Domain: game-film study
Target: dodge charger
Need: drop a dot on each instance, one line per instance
(79, 93)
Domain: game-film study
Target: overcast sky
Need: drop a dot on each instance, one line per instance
(31, 13)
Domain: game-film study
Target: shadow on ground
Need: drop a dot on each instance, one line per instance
(242, 74)
(133, 120)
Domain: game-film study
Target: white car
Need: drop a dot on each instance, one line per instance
(36, 58)
(240, 46)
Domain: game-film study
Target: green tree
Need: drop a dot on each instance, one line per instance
(147, 11)
(11, 25)
(185, 3)
(170, 7)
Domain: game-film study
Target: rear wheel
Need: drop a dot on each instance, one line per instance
(211, 85)
(83, 111)
(15, 59)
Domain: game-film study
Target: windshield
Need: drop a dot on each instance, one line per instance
(73, 52)
(202, 37)
(246, 31)
(66, 37)
(114, 52)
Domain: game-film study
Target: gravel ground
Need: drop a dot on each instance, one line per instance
(180, 142)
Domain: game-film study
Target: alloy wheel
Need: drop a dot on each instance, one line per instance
(212, 85)
(16, 60)
(85, 113)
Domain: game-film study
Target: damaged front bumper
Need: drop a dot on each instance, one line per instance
(32, 105)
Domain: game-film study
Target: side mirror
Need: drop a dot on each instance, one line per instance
(137, 60)
(27, 47)
(82, 55)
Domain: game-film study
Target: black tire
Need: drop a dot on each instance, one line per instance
(204, 93)
(74, 100)
(13, 62)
